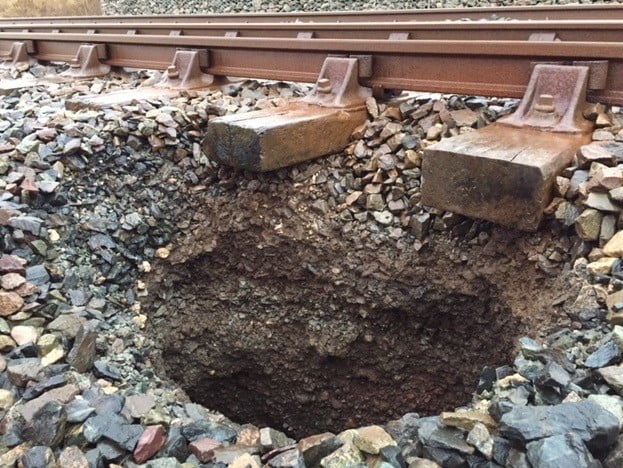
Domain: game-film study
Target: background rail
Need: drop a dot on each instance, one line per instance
(545, 12)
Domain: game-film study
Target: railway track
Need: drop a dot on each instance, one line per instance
(477, 57)
(503, 173)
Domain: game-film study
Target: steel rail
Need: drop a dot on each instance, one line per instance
(542, 12)
(483, 67)
(565, 30)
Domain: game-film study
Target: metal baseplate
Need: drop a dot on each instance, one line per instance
(185, 71)
(88, 62)
(554, 100)
(505, 172)
(18, 56)
(338, 84)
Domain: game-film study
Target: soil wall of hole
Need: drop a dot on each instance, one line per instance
(265, 318)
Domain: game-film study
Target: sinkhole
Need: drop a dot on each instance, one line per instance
(312, 336)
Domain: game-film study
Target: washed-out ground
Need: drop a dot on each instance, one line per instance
(266, 319)
(141, 281)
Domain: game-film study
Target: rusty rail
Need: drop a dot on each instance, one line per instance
(566, 30)
(542, 12)
(485, 57)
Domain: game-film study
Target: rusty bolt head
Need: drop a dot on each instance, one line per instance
(172, 72)
(323, 85)
(545, 104)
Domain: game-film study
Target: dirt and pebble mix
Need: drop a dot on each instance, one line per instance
(102, 210)
(169, 7)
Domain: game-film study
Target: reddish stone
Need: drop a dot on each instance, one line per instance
(29, 185)
(137, 406)
(46, 134)
(152, 440)
(203, 449)
(6, 147)
(11, 264)
(6, 214)
(12, 281)
(27, 289)
(10, 303)
(72, 457)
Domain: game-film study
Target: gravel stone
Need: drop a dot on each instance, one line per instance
(560, 451)
(598, 428)
(47, 425)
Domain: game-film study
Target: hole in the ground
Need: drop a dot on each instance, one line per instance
(299, 337)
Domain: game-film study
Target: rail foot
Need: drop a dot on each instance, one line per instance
(505, 172)
(88, 62)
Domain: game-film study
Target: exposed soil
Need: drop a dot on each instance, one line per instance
(273, 322)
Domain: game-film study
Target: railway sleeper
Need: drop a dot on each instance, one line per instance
(505, 172)
(314, 126)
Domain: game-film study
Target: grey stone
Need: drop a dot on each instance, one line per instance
(601, 202)
(391, 455)
(529, 348)
(553, 375)
(42, 387)
(202, 429)
(560, 451)
(288, 459)
(176, 445)
(21, 371)
(95, 458)
(78, 411)
(106, 370)
(420, 225)
(30, 224)
(82, 354)
(109, 450)
(47, 426)
(615, 457)
(68, 325)
(434, 434)
(597, 427)
(125, 435)
(96, 426)
(594, 152)
(164, 463)
(612, 403)
(606, 354)
(39, 457)
(37, 275)
(613, 375)
(375, 202)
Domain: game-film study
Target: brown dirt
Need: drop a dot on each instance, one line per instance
(12, 8)
(270, 314)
